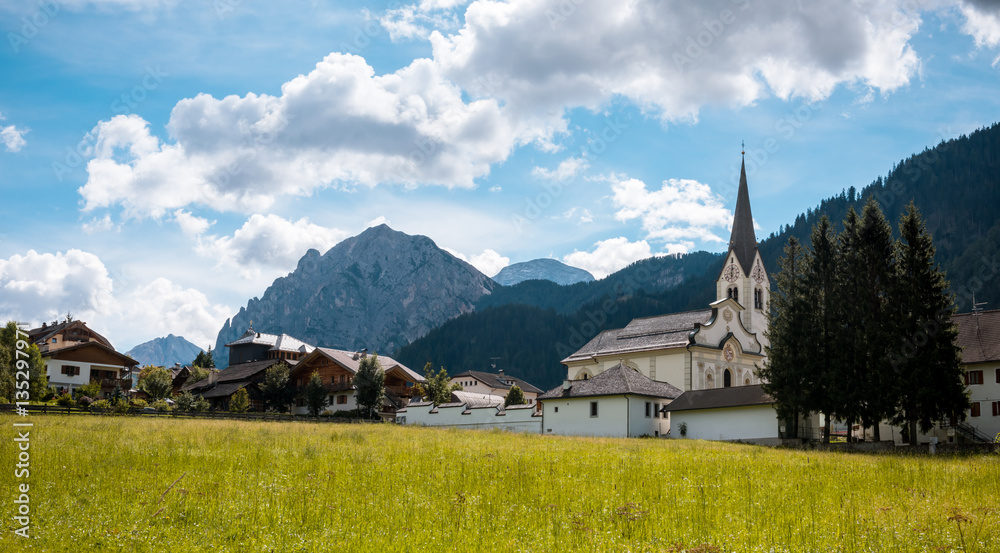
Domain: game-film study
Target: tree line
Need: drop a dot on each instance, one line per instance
(860, 328)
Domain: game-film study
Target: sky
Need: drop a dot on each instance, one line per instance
(162, 162)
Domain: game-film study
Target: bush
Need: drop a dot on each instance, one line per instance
(201, 405)
(185, 402)
(49, 394)
(119, 405)
(91, 389)
(139, 403)
(100, 406)
(66, 400)
(684, 429)
(84, 402)
(160, 405)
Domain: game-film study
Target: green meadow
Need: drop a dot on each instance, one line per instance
(101, 483)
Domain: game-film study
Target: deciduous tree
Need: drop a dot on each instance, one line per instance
(155, 381)
(276, 391)
(240, 401)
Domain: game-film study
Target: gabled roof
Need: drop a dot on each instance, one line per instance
(59, 353)
(979, 336)
(277, 342)
(618, 380)
(718, 398)
(742, 240)
(234, 373)
(494, 381)
(42, 335)
(644, 334)
(352, 361)
(223, 390)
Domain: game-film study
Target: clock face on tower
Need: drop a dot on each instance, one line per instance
(731, 273)
(758, 273)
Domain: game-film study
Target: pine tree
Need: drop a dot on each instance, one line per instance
(927, 361)
(275, 389)
(846, 342)
(369, 384)
(514, 397)
(821, 367)
(782, 376)
(316, 396)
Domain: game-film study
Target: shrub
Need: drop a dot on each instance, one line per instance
(240, 401)
(139, 403)
(66, 400)
(84, 402)
(49, 394)
(201, 405)
(184, 402)
(100, 406)
(119, 405)
(91, 389)
(684, 429)
(160, 405)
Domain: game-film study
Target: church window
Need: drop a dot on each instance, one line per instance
(727, 379)
(656, 410)
(758, 299)
(593, 408)
(734, 293)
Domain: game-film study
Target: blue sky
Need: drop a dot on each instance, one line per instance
(161, 161)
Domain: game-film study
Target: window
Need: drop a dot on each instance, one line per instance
(734, 293)
(975, 409)
(586, 376)
(556, 411)
(998, 376)
(648, 406)
(70, 370)
(341, 399)
(973, 377)
(758, 299)
(996, 408)
(54, 340)
(593, 408)
(727, 379)
(656, 411)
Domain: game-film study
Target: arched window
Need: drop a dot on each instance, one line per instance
(758, 298)
(727, 379)
(734, 293)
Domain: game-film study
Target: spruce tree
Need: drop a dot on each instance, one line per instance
(926, 361)
(514, 397)
(275, 389)
(821, 366)
(783, 376)
(369, 384)
(316, 396)
(847, 341)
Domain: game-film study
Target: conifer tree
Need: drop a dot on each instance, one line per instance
(275, 389)
(821, 366)
(240, 401)
(514, 397)
(782, 376)
(850, 382)
(926, 362)
(369, 384)
(316, 397)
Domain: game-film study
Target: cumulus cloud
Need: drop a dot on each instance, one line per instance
(269, 243)
(191, 225)
(340, 125)
(39, 286)
(982, 23)
(489, 262)
(167, 308)
(96, 225)
(12, 137)
(567, 169)
(672, 58)
(680, 211)
(417, 20)
(609, 256)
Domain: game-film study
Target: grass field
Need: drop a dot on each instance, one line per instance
(104, 484)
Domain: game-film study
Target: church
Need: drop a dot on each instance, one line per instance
(708, 354)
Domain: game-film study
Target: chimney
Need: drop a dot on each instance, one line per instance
(567, 384)
(501, 373)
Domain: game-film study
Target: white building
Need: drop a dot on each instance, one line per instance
(498, 384)
(744, 413)
(619, 401)
(472, 411)
(75, 355)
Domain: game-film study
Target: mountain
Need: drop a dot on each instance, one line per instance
(164, 352)
(542, 269)
(379, 290)
(956, 185)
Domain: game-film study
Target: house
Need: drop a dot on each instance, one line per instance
(619, 401)
(744, 413)
(337, 369)
(220, 386)
(257, 346)
(495, 384)
(979, 338)
(472, 411)
(75, 355)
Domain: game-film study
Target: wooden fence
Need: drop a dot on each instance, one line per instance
(59, 410)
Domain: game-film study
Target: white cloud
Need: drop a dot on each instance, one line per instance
(340, 125)
(489, 262)
(269, 243)
(609, 256)
(191, 225)
(12, 137)
(380, 220)
(982, 23)
(567, 169)
(672, 58)
(41, 286)
(586, 216)
(162, 308)
(681, 211)
(96, 225)
(417, 20)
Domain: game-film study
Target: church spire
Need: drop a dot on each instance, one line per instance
(743, 241)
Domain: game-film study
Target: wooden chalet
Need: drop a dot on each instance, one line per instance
(75, 355)
(337, 369)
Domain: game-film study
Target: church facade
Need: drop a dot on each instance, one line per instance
(716, 347)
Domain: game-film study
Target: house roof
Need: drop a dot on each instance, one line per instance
(718, 398)
(277, 342)
(223, 390)
(979, 336)
(233, 373)
(618, 380)
(646, 333)
(352, 361)
(42, 335)
(59, 353)
(494, 381)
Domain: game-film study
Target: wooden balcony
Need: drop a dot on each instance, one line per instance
(400, 391)
(125, 383)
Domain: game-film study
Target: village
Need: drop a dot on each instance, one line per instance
(690, 375)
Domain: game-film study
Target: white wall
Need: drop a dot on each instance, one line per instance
(332, 404)
(733, 423)
(484, 418)
(59, 380)
(616, 416)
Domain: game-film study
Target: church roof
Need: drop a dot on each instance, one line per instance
(618, 380)
(719, 398)
(643, 334)
(743, 241)
(979, 336)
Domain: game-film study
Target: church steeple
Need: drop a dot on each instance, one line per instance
(743, 241)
